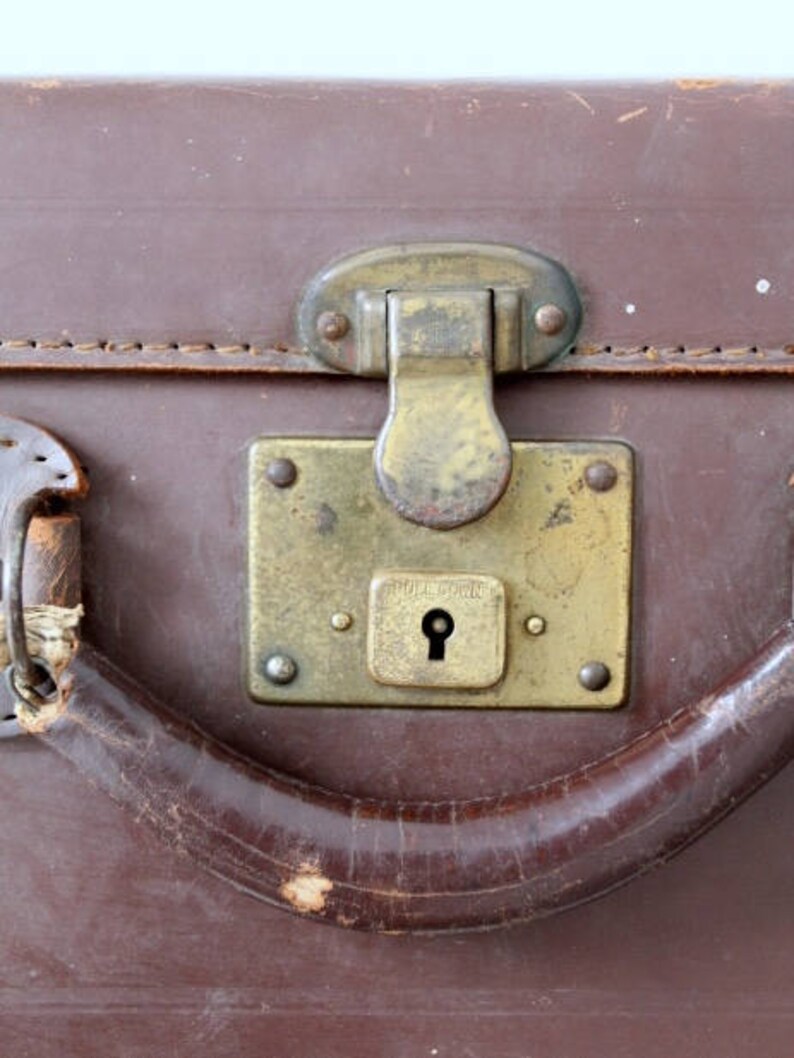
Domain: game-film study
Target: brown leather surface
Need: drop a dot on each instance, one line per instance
(393, 863)
(472, 863)
(133, 234)
(191, 215)
(163, 538)
(113, 943)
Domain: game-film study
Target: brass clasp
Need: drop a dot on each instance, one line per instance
(442, 458)
(439, 319)
(353, 598)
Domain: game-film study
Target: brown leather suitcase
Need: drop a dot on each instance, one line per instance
(370, 670)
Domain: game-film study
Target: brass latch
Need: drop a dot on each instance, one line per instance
(439, 319)
(354, 596)
(442, 458)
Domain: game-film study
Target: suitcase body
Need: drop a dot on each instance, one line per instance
(157, 241)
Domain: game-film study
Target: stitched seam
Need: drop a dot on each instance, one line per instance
(113, 346)
(656, 352)
(649, 352)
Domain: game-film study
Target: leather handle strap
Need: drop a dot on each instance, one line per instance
(34, 467)
(400, 866)
(452, 865)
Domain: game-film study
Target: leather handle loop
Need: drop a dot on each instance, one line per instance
(23, 666)
(453, 865)
(402, 866)
(34, 466)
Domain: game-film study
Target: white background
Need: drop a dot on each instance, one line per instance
(402, 39)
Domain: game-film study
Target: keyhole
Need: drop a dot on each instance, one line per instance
(438, 626)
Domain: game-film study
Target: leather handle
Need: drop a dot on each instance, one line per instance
(452, 865)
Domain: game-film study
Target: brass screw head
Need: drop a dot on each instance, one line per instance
(594, 676)
(340, 622)
(601, 476)
(281, 472)
(550, 319)
(332, 325)
(535, 625)
(280, 669)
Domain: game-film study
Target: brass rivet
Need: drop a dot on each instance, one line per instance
(550, 319)
(341, 621)
(535, 625)
(281, 472)
(594, 676)
(332, 325)
(280, 668)
(601, 476)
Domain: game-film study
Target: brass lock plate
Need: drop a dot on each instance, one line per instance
(329, 559)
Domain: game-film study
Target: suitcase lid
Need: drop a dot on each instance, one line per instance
(173, 227)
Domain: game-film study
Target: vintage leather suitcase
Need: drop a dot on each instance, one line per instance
(519, 652)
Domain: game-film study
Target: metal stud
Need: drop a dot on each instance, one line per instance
(550, 319)
(332, 325)
(594, 676)
(601, 476)
(281, 669)
(281, 472)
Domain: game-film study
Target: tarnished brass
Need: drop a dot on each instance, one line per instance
(559, 548)
(407, 647)
(439, 319)
(441, 470)
(355, 288)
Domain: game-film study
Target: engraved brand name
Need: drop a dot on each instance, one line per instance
(409, 588)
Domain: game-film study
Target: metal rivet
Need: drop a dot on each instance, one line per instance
(280, 668)
(601, 476)
(594, 676)
(341, 621)
(535, 625)
(550, 319)
(332, 325)
(281, 473)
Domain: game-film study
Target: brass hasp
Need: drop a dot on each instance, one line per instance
(439, 319)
